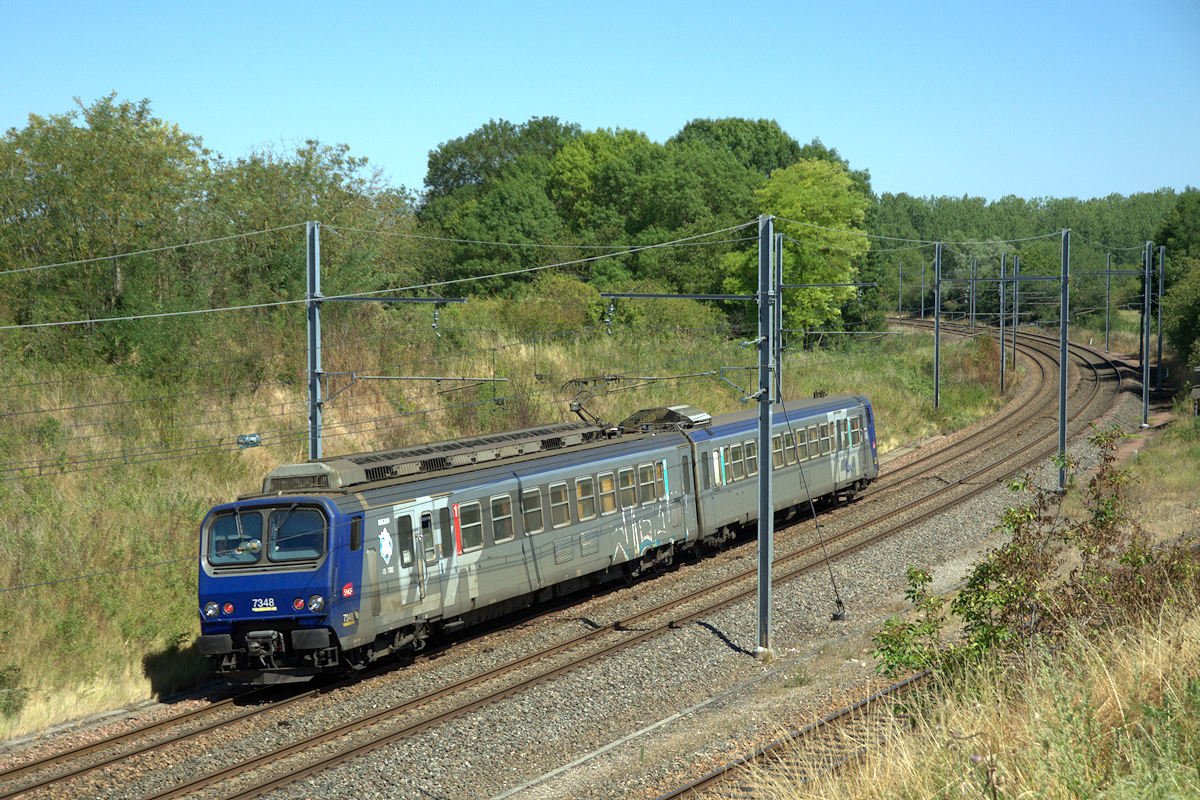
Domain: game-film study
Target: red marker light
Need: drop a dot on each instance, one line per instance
(227, 608)
(298, 604)
(348, 590)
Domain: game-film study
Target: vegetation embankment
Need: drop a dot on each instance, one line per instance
(1067, 664)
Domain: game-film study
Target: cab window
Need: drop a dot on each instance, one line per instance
(296, 533)
(235, 539)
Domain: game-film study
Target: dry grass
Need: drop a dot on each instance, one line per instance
(1113, 716)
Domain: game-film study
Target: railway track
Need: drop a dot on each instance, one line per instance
(838, 739)
(276, 767)
(823, 746)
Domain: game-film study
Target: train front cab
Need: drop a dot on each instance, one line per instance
(278, 578)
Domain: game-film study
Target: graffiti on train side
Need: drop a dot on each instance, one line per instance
(640, 529)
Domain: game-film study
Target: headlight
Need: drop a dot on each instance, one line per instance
(211, 609)
(316, 603)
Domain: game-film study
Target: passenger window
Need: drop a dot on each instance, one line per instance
(777, 451)
(531, 510)
(585, 499)
(855, 432)
(447, 532)
(826, 440)
(628, 488)
(751, 458)
(789, 448)
(646, 482)
(801, 446)
(560, 513)
(502, 521)
(470, 518)
(660, 481)
(814, 441)
(736, 468)
(608, 493)
(405, 538)
(428, 540)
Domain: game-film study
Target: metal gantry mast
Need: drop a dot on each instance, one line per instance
(313, 304)
(766, 512)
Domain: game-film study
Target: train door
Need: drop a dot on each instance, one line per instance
(842, 457)
(432, 565)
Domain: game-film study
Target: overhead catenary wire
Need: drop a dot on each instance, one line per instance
(412, 288)
(164, 248)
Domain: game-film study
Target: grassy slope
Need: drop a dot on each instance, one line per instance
(1114, 715)
(92, 644)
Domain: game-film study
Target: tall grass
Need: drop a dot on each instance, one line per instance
(1115, 715)
(104, 559)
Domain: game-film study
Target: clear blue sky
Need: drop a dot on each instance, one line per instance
(1028, 98)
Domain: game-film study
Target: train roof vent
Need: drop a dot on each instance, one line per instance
(666, 418)
(349, 470)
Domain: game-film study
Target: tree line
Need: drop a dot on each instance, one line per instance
(110, 178)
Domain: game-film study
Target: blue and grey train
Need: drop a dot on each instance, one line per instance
(342, 561)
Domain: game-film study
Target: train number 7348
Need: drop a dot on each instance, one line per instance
(263, 604)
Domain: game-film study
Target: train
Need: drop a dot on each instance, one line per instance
(339, 562)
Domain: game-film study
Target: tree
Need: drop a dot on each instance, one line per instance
(760, 145)
(1181, 311)
(469, 161)
(821, 212)
(109, 178)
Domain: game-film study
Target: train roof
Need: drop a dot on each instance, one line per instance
(425, 460)
(647, 429)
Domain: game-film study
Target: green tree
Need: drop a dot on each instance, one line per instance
(819, 208)
(760, 145)
(109, 178)
(461, 166)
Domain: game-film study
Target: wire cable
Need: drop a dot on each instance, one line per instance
(151, 250)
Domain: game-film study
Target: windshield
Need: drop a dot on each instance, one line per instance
(275, 534)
